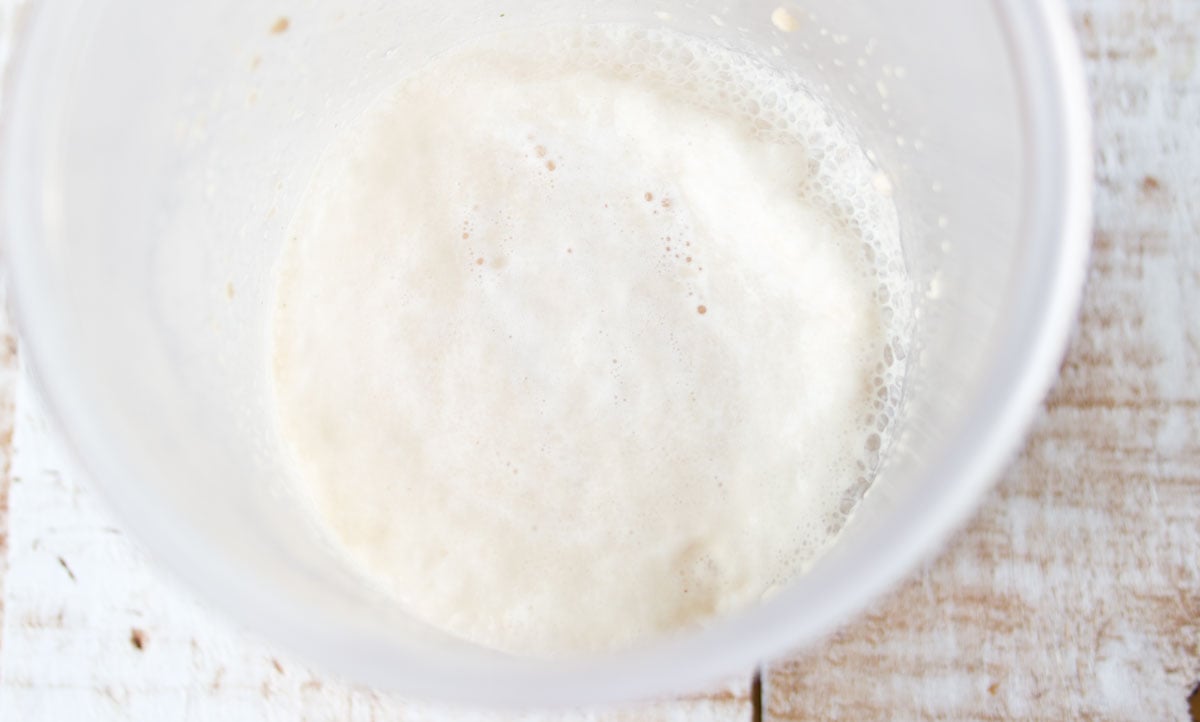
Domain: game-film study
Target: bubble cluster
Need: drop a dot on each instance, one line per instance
(618, 366)
(841, 179)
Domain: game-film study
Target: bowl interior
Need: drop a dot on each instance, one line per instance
(150, 175)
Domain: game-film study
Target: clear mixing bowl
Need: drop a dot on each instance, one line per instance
(153, 153)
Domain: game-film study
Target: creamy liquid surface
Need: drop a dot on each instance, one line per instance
(585, 336)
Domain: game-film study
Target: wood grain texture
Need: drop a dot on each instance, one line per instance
(8, 387)
(12, 13)
(1075, 593)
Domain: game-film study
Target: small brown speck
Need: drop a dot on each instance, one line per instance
(702, 310)
(649, 196)
(666, 202)
(278, 667)
(1150, 184)
(689, 259)
(63, 563)
(466, 235)
(281, 25)
(541, 151)
(993, 688)
(570, 251)
(550, 165)
(255, 62)
(478, 261)
(137, 638)
(229, 291)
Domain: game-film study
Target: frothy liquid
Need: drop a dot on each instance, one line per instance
(586, 336)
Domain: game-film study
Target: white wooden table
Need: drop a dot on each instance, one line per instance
(1074, 594)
